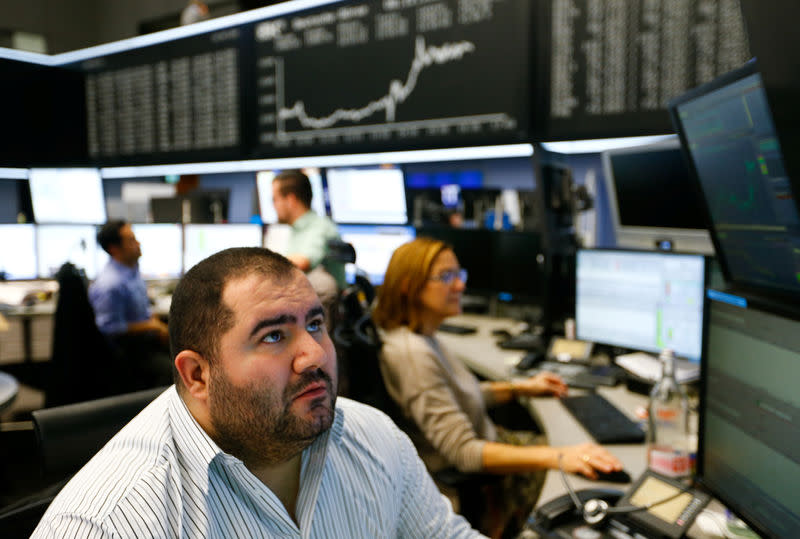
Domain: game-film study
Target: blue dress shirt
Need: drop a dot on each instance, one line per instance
(118, 296)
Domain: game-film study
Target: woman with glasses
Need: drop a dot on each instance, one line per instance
(446, 402)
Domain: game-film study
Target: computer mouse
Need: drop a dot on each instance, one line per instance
(504, 333)
(619, 476)
(529, 361)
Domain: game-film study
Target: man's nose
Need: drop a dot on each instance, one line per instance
(309, 352)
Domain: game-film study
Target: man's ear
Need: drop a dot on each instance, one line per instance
(194, 372)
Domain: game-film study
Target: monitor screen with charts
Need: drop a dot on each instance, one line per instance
(374, 247)
(727, 131)
(67, 195)
(18, 256)
(748, 455)
(641, 300)
(264, 188)
(57, 244)
(367, 195)
(202, 241)
(162, 248)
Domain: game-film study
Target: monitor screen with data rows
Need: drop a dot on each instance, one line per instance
(748, 453)
(641, 300)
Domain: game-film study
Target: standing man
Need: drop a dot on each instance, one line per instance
(122, 308)
(308, 242)
(251, 441)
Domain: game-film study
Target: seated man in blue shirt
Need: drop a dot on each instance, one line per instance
(252, 441)
(122, 308)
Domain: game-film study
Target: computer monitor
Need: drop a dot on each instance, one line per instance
(748, 451)
(202, 241)
(18, 257)
(162, 249)
(367, 195)
(200, 206)
(374, 246)
(728, 134)
(641, 300)
(67, 195)
(653, 200)
(472, 247)
(57, 244)
(518, 265)
(264, 188)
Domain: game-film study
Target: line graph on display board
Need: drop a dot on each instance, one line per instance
(392, 74)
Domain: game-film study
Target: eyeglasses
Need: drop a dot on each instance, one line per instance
(447, 277)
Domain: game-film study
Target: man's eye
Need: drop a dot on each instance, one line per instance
(273, 337)
(314, 325)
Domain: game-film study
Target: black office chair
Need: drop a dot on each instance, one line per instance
(358, 346)
(67, 437)
(83, 365)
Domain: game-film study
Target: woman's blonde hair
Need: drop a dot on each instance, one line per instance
(398, 299)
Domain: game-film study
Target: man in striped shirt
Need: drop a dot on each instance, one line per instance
(251, 441)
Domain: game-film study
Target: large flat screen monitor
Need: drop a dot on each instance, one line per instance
(472, 248)
(264, 188)
(374, 246)
(18, 252)
(748, 452)
(67, 195)
(57, 244)
(162, 249)
(517, 265)
(653, 199)
(727, 132)
(367, 195)
(641, 300)
(202, 241)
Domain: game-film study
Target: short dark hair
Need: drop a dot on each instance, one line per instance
(197, 315)
(108, 234)
(295, 182)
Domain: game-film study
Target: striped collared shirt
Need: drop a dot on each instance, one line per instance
(163, 476)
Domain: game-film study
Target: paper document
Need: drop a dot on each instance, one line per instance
(649, 367)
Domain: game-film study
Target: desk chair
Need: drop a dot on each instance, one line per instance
(358, 347)
(68, 436)
(83, 365)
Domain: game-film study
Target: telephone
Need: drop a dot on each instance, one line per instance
(655, 506)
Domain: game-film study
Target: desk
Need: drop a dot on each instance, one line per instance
(481, 354)
(8, 390)
(30, 334)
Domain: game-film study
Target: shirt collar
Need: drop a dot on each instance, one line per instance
(304, 220)
(127, 271)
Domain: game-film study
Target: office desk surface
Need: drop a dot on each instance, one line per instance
(480, 353)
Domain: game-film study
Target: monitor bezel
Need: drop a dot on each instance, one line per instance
(757, 303)
(748, 69)
(688, 240)
(706, 276)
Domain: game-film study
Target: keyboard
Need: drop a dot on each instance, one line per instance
(457, 330)
(524, 341)
(603, 420)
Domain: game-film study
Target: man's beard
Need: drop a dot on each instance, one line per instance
(258, 426)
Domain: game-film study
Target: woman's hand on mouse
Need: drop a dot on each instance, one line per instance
(544, 383)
